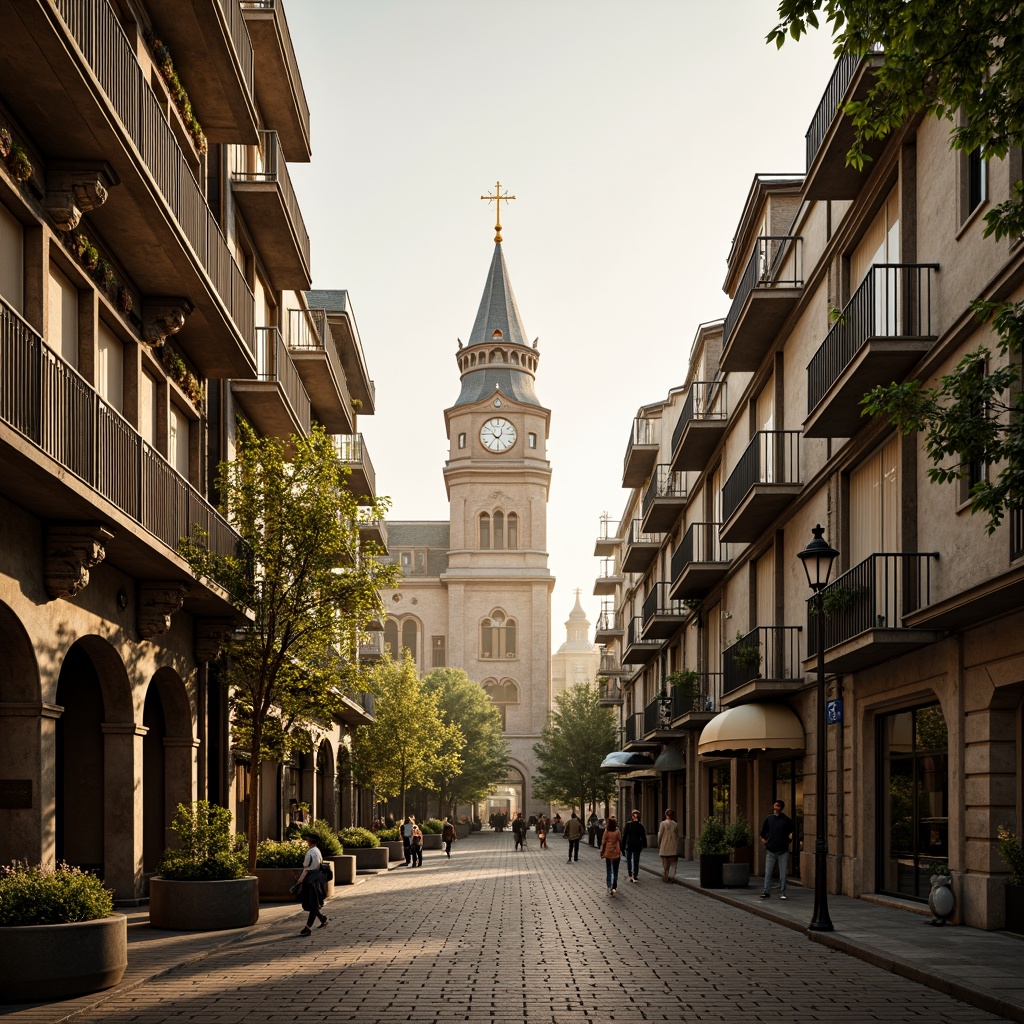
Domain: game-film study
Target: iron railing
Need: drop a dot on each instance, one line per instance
(645, 432)
(705, 400)
(240, 40)
(607, 620)
(98, 34)
(665, 483)
(776, 263)
(310, 331)
(706, 699)
(635, 727)
(895, 300)
(700, 543)
(636, 535)
(609, 666)
(608, 572)
(658, 715)
(274, 364)
(1016, 517)
(772, 457)
(635, 640)
(48, 403)
(658, 602)
(769, 652)
(609, 690)
(875, 594)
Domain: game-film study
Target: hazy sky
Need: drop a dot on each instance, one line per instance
(630, 133)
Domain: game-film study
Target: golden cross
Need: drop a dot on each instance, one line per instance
(498, 198)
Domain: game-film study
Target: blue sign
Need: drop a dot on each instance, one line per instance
(834, 711)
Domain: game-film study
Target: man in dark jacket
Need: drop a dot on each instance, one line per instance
(634, 840)
(776, 835)
(519, 831)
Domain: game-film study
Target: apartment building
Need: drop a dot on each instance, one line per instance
(839, 280)
(154, 286)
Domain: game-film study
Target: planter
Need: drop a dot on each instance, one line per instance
(462, 829)
(344, 869)
(55, 961)
(275, 883)
(711, 865)
(736, 875)
(432, 841)
(1015, 908)
(395, 848)
(371, 858)
(203, 906)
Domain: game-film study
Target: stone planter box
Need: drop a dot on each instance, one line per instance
(57, 961)
(371, 858)
(395, 848)
(736, 876)
(462, 829)
(711, 865)
(203, 906)
(275, 883)
(431, 841)
(344, 869)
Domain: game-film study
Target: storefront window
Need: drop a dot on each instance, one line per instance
(719, 779)
(788, 785)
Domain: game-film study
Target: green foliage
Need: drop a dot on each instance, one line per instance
(579, 734)
(38, 895)
(711, 841)
(475, 737)
(389, 835)
(208, 850)
(686, 681)
(837, 600)
(273, 854)
(746, 655)
(431, 827)
(359, 838)
(738, 834)
(165, 65)
(326, 838)
(1012, 853)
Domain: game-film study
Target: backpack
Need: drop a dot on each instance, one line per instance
(326, 872)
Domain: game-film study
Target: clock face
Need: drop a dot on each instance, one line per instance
(497, 435)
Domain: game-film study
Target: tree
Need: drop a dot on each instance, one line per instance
(308, 588)
(959, 62)
(579, 734)
(409, 742)
(481, 748)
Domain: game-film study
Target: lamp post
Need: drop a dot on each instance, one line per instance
(818, 559)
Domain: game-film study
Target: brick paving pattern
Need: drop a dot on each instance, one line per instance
(498, 936)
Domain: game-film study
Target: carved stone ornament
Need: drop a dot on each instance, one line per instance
(162, 317)
(72, 549)
(211, 635)
(157, 603)
(73, 189)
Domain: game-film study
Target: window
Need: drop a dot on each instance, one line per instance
(12, 267)
(110, 368)
(498, 636)
(402, 634)
(503, 695)
(438, 652)
(62, 307)
(977, 180)
(391, 637)
(499, 531)
(485, 530)
(512, 531)
(411, 638)
(178, 439)
(531, 440)
(148, 402)
(462, 440)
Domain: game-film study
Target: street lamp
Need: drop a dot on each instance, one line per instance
(818, 559)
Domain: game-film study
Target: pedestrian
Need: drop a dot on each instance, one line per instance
(574, 833)
(634, 841)
(311, 890)
(448, 837)
(407, 839)
(668, 845)
(542, 832)
(592, 827)
(519, 831)
(417, 846)
(776, 835)
(611, 853)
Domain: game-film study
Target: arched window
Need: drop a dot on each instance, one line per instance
(391, 636)
(411, 638)
(503, 695)
(485, 530)
(512, 530)
(498, 636)
(498, 521)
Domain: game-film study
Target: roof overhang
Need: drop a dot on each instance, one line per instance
(671, 759)
(751, 729)
(627, 761)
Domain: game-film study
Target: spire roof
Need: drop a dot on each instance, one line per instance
(498, 310)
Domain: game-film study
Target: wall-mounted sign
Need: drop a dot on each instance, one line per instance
(834, 711)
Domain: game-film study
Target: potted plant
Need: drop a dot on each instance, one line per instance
(369, 854)
(5, 143)
(739, 837)
(18, 162)
(59, 934)
(278, 865)
(1012, 854)
(431, 829)
(685, 682)
(837, 600)
(203, 885)
(330, 848)
(746, 655)
(391, 838)
(713, 851)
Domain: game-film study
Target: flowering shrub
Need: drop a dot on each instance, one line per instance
(326, 838)
(1012, 853)
(208, 851)
(38, 895)
(389, 835)
(289, 854)
(358, 838)
(431, 827)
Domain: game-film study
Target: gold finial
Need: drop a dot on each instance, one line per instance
(498, 198)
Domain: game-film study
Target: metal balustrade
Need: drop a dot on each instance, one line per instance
(700, 543)
(658, 603)
(830, 104)
(638, 648)
(705, 400)
(97, 32)
(1016, 517)
(240, 41)
(776, 263)
(875, 594)
(894, 300)
(769, 652)
(274, 364)
(634, 727)
(665, 483)
(772, 457)
(658, 715)
(706, 699)
(609, 691)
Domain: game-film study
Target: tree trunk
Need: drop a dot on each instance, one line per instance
(253, 824)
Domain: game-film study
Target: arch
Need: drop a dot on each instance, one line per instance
(326, 805)
(19, 680)
(411, 633)
(514, 358)
(391, 635)
(113, 677)
(498, 530)
(508, 795)
(511, 531)
(485, 529)
(498, 636)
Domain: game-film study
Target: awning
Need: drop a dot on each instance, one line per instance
(626, 761)
(749, 729)
(671, 759)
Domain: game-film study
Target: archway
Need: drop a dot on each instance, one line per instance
(509, 796)
(326, 806)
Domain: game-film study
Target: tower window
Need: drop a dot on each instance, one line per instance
(485, 530)
(531, 440)
(512, 530)
(438, 652)
(498, 523)
(498, 636)
(503, 695)
(462, 440)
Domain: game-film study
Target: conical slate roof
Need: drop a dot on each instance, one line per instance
(498, 310)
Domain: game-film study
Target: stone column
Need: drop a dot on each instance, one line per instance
(122, 805)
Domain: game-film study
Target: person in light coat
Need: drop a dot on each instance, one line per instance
(668, 845)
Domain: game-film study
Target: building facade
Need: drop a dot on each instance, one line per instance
(839, 281)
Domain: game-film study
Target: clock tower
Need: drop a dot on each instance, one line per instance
(497, 477)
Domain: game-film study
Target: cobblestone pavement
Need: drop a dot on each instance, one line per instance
(498, 936)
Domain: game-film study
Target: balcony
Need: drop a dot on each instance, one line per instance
(879, 337)
(352, 454)
(371, 647)
(830, 135)
(700, 562)
(609, 625)
(278, 85)
(638, 649)
(762, 485)
(610, 666)
(213, 55)
(72, 75)
(769, 289)
(315, 354)
(276, 403)
(65, 450)
(635, 738)
(864, 612)
(356, 709)
(764, 664)
(263, 191)
(641, 453)
(609, 693)
(608, 580)
(658, 719)
(701, 425)
(608, 541)
(375, 532)
(664, 500)
(693, 713)
(641, 548)
(662, 616)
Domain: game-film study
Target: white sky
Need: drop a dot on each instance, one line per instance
(630, 134)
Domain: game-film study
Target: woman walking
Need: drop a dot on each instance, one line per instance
(611, 853)
(310, 889)
(668, 845)
(542, 832)
(634, 840)
(448, 837)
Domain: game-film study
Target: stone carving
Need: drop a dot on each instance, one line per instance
(211, 635)
(157, 603)
(72, 549)
(72, 190)
(162, 317)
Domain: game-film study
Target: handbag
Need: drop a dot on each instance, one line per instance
(326, 872)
